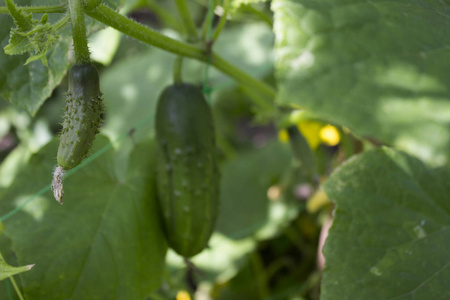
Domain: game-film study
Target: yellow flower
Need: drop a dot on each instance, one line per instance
(329, 135)
(283, 136)
(310, 130)
(315, 133)
(183, 295)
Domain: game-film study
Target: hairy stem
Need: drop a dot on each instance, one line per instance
(222, 21)
(129, 27)
(121, 23)
(62, 22)
(80, 45)
(164, 15)
(187, 20)
(242, 77)
(37, 9)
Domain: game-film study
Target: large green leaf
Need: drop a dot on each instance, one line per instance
(378, 67)
(28, 86)
(391, 231)
(105, 242)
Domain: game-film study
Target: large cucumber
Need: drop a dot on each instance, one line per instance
(84, 106)
(187, 171)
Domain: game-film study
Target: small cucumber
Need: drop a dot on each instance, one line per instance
(187, 170)
(82, 119)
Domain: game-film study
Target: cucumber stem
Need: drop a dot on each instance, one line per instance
(223, 20)
(187, 20)
(80, 45)
(177, 70)
(207, 23)
(166, 17)
(45, 9)
(61, 23)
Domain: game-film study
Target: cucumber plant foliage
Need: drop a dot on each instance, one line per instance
(376, 70)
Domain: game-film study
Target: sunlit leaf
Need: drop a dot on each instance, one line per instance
(378, 67)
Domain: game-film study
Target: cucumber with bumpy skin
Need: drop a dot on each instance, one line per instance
(187, 171)
(82, 119)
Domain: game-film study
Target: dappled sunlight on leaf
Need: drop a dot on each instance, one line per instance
(390, 231)
(377, 68)
(36, 208)
(106, 234)
(221, 259)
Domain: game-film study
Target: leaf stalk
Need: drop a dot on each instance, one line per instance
(138, 31)
(80, 45)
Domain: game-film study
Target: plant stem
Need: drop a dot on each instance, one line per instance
(121, 23)
(62, 22)
(129, 27)
(187, 20)
(242, 77)
(37, 9)
(263, 16)
(165, 16)
(207, 24)
(80, 45)
(222, 21)
(177, 70)
(19, 294)
(258, 271)
(259, 101)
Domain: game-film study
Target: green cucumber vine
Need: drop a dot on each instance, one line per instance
(129, 27)
(114, 19)
(84, 107)
(338, 190)
(187, 20)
